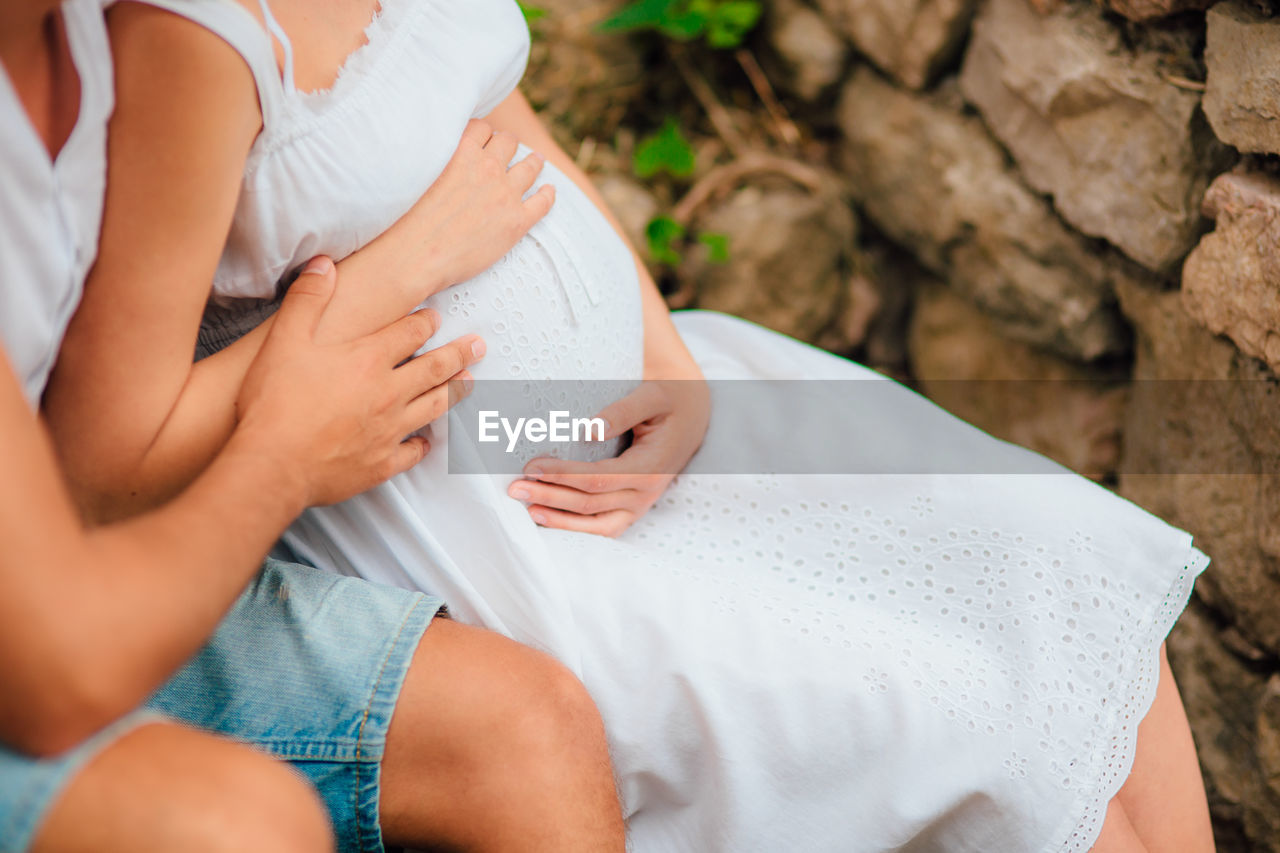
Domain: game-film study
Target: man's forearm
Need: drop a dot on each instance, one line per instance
(120, 608)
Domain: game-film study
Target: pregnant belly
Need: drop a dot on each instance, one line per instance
(563, 304)
(561, 316)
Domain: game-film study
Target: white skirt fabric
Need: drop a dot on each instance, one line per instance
(859, 662)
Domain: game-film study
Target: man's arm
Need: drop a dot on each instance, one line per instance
(92, 622)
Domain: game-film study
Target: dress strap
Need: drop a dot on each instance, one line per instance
(278, 32)
(236, 26)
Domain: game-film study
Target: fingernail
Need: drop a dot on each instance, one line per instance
(468, 382)
(608, 429)
(520, 493)
(538, 517)
(478, 348)
(317, 266)
(533, 473)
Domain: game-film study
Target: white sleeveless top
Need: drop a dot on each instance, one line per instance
(50, 212)
(305, 191)
(332, 170)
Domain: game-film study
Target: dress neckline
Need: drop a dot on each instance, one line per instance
(357, 65)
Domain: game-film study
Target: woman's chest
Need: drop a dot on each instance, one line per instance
(339, 167)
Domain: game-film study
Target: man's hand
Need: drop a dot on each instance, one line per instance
(339, 413)
(668, 419)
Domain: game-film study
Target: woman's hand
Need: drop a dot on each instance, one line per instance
(465, 222)
(476, 210)
(668, 419)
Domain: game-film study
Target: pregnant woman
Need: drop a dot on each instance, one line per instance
(925, 662)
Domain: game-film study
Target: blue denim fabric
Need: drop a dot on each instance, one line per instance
(28, 788)
(307, 667)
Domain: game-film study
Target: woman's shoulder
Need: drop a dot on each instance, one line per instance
(211, 41)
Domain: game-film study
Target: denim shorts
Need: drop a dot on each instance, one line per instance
(307, 667)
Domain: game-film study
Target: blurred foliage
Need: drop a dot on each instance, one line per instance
(531, 13)
(663, 234)
(717, 246)
(668, 150)
(723, 23)
(665, 237)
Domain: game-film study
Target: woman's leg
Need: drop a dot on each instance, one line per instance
(1162, 804)
(494, 746)
(163, 787)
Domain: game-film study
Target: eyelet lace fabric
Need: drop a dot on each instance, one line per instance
(820, 663)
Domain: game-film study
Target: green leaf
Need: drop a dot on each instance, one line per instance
(717, 246)
(665, 151)
(531, 13)
(722, 22)
(662, 233)
(642, 14)
(731, 21)
(684, 26)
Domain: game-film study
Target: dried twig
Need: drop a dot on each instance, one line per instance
(1183, 82)
(783, 125)
(725, 177)
(719, 116)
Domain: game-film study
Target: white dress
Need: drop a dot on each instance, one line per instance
(894, 661)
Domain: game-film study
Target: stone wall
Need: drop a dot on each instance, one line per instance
(1083, 193)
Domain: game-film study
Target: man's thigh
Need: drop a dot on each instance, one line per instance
(308, 667)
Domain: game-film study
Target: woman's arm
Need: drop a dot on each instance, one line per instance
(668, 415)
(133, 419)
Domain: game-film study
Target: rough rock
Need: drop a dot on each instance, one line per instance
(896, 278)
(1231, 706)
(1201, 451)
(814, 52)
(909, 39)
(582, 80)
(1201, 416)
(1231, 282)
(1121, 150)
(1146, 10)
(1067, 411)
(937, 184)
(1242, 100)
(1262, 814)
(792, 262)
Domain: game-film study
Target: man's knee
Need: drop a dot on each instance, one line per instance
(504, 704)
(550, 721)
(165, 787)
